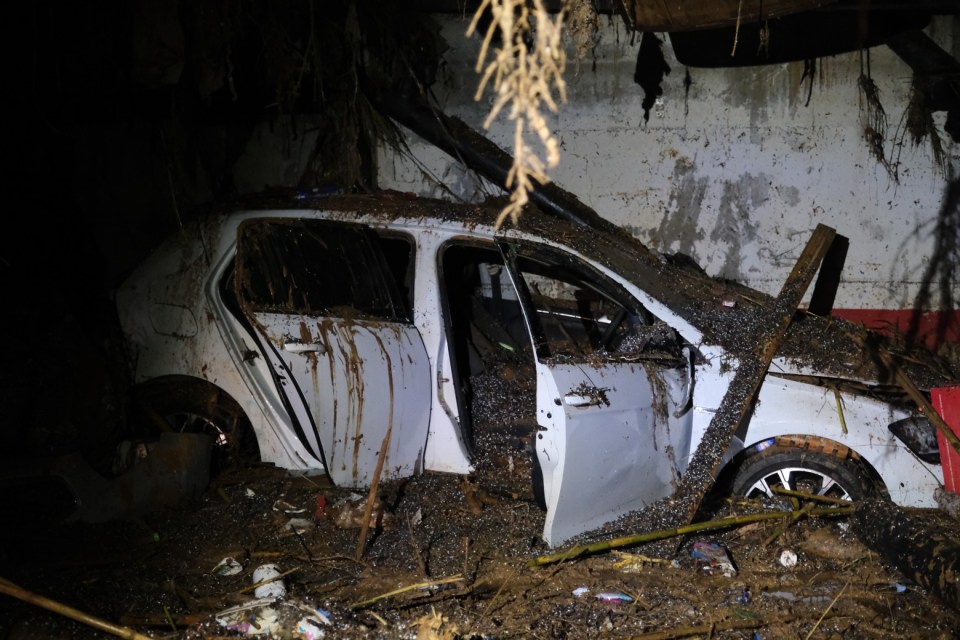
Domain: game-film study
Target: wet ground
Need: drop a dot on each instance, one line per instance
(447, 557)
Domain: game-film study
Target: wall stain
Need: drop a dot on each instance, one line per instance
(734, 227)
(679, 229)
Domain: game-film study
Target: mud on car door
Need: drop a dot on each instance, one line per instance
(613, 392)
(347, 362)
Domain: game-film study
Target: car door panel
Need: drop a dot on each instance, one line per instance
(352, 369)
(359, 381)
(613, 427)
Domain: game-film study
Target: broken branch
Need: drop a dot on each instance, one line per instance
(419, 585)
(372, 496)
(843, 421)
(827, 610)
(908, 385)
(793, 517)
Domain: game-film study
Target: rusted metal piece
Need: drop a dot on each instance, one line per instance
(738, 402)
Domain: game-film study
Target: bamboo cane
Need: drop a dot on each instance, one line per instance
(721, 523)
(20, 593)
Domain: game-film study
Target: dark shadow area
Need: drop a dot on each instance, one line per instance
(941, 279)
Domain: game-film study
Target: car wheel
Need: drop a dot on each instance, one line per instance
(199, 407)
(800, 469)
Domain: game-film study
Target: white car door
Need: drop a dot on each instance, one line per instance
(347, 362)
(612, 394)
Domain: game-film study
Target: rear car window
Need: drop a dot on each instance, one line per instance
(316, 268)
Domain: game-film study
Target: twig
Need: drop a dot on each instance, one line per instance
(908, 385)
(575, 552)
(486, 609)
(166, 613)
(20, 593)
(379, 618)
(372, 496)
(736, 31)
(793, 517)
(827, 610)
(268, 580)
(421, 565)
(843, 421)
(419, 585)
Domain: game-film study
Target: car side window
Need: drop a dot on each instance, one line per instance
(318, 268)
(581, 314)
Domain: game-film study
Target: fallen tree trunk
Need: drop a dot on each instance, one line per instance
(929, 558)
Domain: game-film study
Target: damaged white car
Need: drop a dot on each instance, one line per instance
(343, 332)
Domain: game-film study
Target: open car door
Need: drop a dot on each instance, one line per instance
(350, 366)
(613, 391)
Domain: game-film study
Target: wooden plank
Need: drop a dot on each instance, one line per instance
(737, 404)
(825, 289)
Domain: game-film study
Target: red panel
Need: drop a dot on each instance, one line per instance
(898, 321)
(946, 400)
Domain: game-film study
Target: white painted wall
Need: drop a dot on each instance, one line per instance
(738, 174)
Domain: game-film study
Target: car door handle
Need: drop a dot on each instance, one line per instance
(305, 347)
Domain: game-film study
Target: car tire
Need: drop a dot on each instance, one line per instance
(192, 406)
(801, 469)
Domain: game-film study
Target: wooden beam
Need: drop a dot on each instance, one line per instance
(825, 289)
(737, 403)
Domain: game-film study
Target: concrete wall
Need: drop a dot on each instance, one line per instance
(736, 173)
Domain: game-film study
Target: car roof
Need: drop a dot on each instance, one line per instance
(727, 313)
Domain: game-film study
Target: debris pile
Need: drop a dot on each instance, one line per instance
(449, 570)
